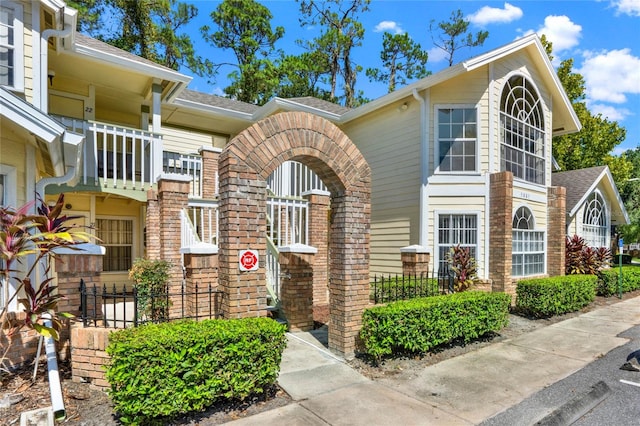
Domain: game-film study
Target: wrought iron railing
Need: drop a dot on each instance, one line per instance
(102, 307)
(391, 288)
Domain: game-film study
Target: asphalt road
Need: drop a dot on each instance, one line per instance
(581, 395)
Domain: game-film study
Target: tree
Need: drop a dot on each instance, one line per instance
(341, 32)
(301, 75)
(630, 193)
(244, 26)
(149, 29)
(454, 35)
(402, 59)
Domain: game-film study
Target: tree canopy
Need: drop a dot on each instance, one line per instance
(454, 34)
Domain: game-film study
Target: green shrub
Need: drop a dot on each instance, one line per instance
(608, 280)
(582, 259)
(152, 279)
(419, 325)
(161, 370)
(545, 297)
(464, 267)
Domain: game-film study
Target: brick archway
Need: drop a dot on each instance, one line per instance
(244, 166)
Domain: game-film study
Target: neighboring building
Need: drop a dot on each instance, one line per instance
(594, 205)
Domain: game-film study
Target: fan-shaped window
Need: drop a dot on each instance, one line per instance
(595, 222)
(522, 131)
(528, 255)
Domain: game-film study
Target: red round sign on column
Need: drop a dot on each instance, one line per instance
(248, 260)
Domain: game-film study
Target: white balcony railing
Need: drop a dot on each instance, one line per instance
(188, 165)
(292, 179)
(116, 156)
(199, 223)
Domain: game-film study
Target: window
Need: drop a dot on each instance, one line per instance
(116, 235)
(528, 245)
(454, 229)
(522, 131)
(457, 139)
(594, 224)
(11, 68)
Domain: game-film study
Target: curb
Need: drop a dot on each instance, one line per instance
(572, 410)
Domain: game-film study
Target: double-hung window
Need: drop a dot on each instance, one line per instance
(528, 253)
(11, 46)
(457, 139)
(453, 230)
(117, 236)
(522, 132)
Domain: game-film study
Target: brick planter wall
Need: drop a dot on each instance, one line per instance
(415, 261)
(88, 356)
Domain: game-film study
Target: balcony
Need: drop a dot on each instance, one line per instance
(118, 158)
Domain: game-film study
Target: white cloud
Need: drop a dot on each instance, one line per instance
(611, 75)
(560, 31)
(609, 112)
(388, 26)
(627, 7)
(436, 55)
(494, 15)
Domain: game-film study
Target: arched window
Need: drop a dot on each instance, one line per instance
(594, 223)
(522, 131)
(528, 255)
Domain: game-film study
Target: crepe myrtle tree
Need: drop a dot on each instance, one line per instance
(30, 239)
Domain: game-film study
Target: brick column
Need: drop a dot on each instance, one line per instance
(243, 226)
(415, 260)
(296, 287)
(173, 193)
(72, 266)
(152, 225)
(210, 158)
(319, 210)
(202, 275)
(556, 230)
(500, 237)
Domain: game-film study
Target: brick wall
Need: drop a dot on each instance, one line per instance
(88, 356)
(210, 157)
(152, 225)
(296, 289)
(500, 238)
(319, 210)
(23, 342)
(556, 230)
(415, 261)
(201, 273)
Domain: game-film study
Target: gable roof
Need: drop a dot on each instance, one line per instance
(582, 182)
(565, 119)
(218, 102)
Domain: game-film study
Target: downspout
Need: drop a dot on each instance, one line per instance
(46, 34)
(424, 165)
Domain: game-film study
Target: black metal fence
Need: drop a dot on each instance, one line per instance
(391, 288)
(100, 307)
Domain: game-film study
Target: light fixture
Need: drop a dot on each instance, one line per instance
(403, 107)
(51, 74)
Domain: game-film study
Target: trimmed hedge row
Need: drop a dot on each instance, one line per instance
(608, 280)
(162, 370)
(419, 325)
(545, 297)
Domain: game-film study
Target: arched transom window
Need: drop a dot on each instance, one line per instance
(522, 131)
(528, 257)
(595, 222)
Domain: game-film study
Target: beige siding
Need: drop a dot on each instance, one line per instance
(12, 153)
(185, 141)
(390, 140)
(28, 52)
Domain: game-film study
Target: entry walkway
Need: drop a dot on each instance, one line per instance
(461, 391)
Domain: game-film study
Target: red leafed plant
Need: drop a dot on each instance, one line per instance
(582, 259)
(464, 267)
(21, 235)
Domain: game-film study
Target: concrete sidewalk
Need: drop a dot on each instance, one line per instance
(464, 390)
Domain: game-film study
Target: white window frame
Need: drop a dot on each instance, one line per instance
(17, 47)
(525, 122)
(134, 239)
(476, 140)
(10, 184)
(529, 236)
(438, 244)
(596, 235)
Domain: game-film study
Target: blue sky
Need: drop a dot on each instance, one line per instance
(603, 38)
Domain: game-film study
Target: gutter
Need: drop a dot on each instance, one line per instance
(424, 164)
(44, 49)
